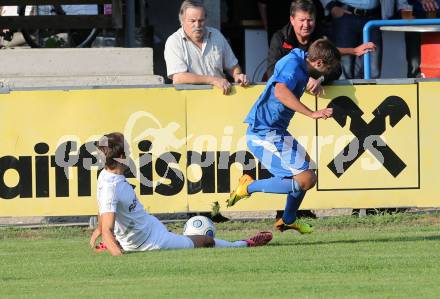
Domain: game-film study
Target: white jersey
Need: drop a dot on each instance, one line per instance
(133, 225)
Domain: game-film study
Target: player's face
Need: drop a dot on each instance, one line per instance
(126, 148)
(125, 158)
(303, 23)
(316, 68)
(194, 23)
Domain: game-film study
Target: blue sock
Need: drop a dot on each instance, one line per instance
(294, 200)
(272, 185)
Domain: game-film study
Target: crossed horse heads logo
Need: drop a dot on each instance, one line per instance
(393, 107)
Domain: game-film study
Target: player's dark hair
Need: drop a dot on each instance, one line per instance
(110, 147)
(303, 5)
(325, 50)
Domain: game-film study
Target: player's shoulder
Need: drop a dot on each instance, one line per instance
(110, 181)
(124, 190)
(293, 59)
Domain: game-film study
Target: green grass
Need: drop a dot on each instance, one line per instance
(390, 256)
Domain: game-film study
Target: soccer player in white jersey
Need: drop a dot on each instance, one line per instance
(124, 224)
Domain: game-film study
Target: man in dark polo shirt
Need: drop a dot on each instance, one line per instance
(301, 32)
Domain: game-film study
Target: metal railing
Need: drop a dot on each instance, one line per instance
(378, 23)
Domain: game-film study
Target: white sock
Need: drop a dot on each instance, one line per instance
(222, 243)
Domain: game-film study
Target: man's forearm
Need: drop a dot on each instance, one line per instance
(236, 70)
(346, 51)
(110, 241)
(190, 78)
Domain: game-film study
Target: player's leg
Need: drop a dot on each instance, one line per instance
(280, 185)
(161, 239)
(174, 241)
(202, 241)
(289, 162)
(260, 239)
(268, 149)
(247, 185)
(283, 156)
(303, 182)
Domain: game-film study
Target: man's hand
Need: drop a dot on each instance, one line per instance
(323, 113)
(100, 248)
(241, 79)
(429, 5)
(107, 221)
(223, 84)
(338, 12)
(364, 48)
(96, 233)
(314, 87)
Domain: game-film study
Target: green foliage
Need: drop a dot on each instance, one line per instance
(388, 256)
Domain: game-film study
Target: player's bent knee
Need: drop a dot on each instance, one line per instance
(306, 179)
(202, 241)
(312, 180)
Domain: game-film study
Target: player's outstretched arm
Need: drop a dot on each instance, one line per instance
(108, 223)
(359, 50)
(285, 96)
(323, 113)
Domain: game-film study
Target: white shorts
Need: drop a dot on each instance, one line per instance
(161, 239)
(280, 153)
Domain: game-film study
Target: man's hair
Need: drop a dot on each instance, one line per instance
(190, 4)
(110, 147)
(303, 5)
(325, 50)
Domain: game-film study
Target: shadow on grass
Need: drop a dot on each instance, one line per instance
(298, 242)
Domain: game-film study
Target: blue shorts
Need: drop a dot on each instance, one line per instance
(280, 153)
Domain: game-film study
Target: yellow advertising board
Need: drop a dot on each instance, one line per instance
(216, 127)
(372, 141)
(189, 148)
(45, 160)
(429, 97)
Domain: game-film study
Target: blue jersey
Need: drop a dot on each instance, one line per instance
(268, 113)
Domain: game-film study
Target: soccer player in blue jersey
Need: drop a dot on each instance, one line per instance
(269, 140)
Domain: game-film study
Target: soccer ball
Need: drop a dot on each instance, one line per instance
(199, 226)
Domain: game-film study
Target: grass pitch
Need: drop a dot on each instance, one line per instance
(390, 256)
